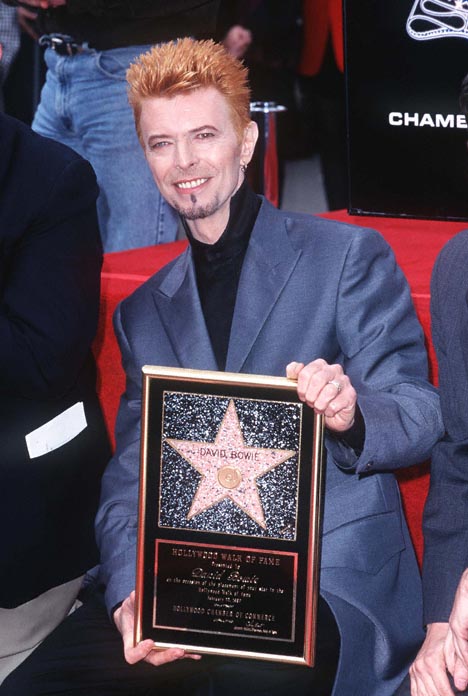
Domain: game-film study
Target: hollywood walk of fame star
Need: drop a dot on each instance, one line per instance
(229, 468)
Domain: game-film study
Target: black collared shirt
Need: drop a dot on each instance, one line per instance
(218, 267)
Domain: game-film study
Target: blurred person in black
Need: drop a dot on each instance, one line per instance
(54, 441)
(267, 35)
(322, 92)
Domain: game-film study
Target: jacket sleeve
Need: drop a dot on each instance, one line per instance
(50, 293)
(385, 358)
(446, 511)
(116, 522)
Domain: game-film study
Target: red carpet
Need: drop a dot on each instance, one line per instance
(416, 244)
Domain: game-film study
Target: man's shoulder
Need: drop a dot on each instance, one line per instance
(449, 275)
(454, 252)
(306, 230)
(15, 133)
(40, 178)
(21, 146)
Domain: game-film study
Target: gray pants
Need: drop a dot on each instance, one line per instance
(24, 627)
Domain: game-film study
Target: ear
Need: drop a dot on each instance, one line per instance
(249, 141)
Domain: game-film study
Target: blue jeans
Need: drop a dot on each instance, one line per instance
(84, 105)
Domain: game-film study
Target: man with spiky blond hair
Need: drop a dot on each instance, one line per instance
(264, 292)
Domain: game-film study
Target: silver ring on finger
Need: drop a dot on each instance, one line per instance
(336, 384)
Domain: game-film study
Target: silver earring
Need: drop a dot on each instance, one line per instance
(243, 168)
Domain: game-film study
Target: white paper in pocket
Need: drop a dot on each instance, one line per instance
(57, 432)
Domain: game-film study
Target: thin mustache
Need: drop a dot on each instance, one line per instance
(189, 177)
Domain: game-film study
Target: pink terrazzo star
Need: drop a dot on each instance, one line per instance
(229, 468)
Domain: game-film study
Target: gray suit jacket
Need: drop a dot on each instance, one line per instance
(309, 288)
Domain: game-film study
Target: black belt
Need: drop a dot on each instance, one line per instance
(61, 44)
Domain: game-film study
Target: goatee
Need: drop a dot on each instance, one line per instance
(197, 212)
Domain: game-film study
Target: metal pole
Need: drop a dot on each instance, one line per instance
(266, 165)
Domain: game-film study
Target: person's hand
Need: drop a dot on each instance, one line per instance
(237, 41)
(428, 672)
(124, 620)
(327, 390)
(27, 17)
(456, 643)
(43, 4)
(26, 20)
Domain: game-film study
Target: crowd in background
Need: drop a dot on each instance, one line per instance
(294, 52)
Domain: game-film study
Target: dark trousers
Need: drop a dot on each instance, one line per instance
(84, 657)
(324, 108)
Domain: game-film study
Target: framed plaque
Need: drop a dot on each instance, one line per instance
(229, 515)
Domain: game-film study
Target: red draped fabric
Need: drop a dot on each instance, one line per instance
(323, 20)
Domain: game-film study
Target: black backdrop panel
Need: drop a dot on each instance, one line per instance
(407, 135)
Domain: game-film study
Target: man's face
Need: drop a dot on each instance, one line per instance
(195, 156)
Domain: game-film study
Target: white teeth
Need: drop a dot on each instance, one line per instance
(190, 184)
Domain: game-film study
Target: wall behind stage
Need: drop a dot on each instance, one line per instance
(405, 61)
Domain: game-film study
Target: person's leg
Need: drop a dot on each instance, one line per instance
(84, 657)
(52, 119)
(132, 212)
(24, 627)
(84, 105)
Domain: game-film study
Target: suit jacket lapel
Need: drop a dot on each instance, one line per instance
(179, 307)
(268, 264)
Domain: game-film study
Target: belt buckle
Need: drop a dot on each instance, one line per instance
(63, 45)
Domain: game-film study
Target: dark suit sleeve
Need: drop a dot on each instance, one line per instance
(50, 290)
(446, 510)
(116, 522)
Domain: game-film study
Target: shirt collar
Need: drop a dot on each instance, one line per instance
(243, 210)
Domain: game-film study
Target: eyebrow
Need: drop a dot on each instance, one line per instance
(194, 131)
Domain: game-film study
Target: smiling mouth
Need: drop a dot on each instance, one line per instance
(187, 185)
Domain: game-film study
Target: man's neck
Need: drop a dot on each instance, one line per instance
(208, 230)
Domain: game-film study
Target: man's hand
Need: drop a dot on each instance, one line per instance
(237, 41)
(26, 20)
(43, 4)
(428, 672)
(327, 390)
(456, 644)
(124, 620)
(27, 17)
